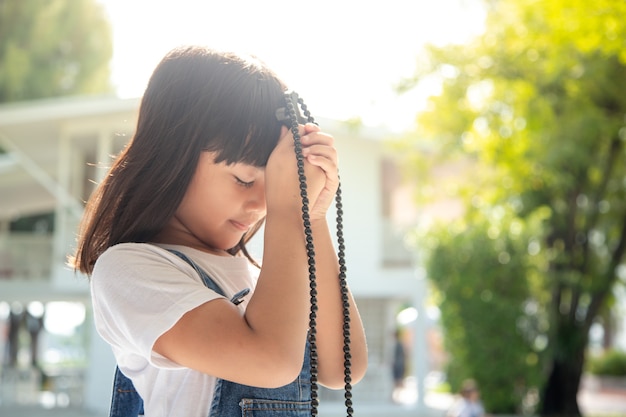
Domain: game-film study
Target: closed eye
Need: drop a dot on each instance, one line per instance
(244, 183)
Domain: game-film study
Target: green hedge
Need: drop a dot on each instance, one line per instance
(481, 286)
(611, 363)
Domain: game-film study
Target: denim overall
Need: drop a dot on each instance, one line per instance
(229, 399)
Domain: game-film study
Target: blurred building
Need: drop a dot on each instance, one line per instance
(54, 151)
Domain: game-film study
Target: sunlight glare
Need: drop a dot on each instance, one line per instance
(343, 57)
(5, 310)
(35, 309)
(63, 317)
(406, 316)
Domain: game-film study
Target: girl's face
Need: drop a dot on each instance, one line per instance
(221, 203)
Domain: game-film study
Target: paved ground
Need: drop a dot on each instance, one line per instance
(593, 403)
(601, 404)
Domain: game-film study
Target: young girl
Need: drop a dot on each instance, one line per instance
(165, 234)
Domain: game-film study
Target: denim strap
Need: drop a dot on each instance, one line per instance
(125, 401)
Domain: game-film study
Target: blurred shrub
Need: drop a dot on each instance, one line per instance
(611, 363)
(482, 284)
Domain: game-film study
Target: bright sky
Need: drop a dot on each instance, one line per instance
(342, 56)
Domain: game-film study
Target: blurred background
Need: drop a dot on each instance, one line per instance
(483, 166)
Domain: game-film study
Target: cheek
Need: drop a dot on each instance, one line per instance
(204, 203)
(198, 201)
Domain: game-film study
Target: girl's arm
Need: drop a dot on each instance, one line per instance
(265, 346)
(330, 313)
(330, 317)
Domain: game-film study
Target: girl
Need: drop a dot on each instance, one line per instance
(208, 164)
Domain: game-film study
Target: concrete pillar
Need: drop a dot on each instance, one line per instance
(62, 214)
(101, 368)
(100, 372)
(420, 352)
(67, 214)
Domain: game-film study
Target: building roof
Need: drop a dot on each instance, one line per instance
(31, 136)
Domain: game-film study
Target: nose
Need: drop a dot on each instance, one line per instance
(256, 199)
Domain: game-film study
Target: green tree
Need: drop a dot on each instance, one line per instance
(52, 48)
(486, 307)
(537, 105)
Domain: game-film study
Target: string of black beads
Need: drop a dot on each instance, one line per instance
(346, 304)
(291, 111)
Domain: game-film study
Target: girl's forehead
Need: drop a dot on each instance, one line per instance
(212, 157)
(246, 167)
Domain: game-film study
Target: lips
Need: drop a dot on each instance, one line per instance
(244, 227)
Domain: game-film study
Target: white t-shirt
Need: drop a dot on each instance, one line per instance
(139, 291)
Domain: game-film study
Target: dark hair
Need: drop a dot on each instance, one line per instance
(197, 100)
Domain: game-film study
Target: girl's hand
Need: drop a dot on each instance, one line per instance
(320, 166)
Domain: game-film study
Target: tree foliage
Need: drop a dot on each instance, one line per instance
(537, 105)
(486, 308)
(53, 48)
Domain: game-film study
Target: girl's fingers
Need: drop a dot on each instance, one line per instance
(310, 128)
(321, 169)
(327, 166)
(317, 138)
(322, 151)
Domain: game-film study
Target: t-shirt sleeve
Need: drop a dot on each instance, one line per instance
(138, 293)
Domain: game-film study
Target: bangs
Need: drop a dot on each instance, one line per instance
(246, 129)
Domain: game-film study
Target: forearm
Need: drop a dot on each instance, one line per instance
(330, 316)
(278, 311)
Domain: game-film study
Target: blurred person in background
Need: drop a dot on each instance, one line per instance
(469, 403)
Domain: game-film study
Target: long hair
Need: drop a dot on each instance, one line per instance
(196, 100)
